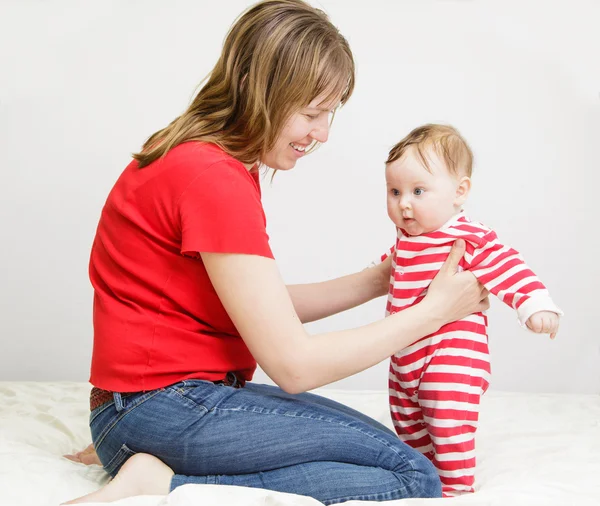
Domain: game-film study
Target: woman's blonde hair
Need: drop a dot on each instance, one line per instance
(278, 56)
(446, 142)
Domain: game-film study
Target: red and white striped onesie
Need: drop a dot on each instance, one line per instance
(436, 383)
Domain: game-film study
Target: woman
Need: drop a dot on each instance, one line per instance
(188, 298)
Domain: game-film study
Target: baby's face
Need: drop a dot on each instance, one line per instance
(419, 201)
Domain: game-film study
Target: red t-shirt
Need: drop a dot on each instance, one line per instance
(157, 317)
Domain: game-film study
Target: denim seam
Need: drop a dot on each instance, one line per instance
(384, 496)
(119, 417)
(124, 450)
(331, 420)
(181, 394)
(100, 410)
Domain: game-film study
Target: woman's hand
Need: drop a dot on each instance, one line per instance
(453, 295)
(382, 276)
(87, 456)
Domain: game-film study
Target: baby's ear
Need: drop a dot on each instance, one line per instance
(462, 191)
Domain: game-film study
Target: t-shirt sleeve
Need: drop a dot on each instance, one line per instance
(382, 258)
(221, 212)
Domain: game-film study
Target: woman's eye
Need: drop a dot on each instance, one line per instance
(419, 191)
(312, 116)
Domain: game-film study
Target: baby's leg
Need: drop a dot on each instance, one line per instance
(407, 417)
(449, 396)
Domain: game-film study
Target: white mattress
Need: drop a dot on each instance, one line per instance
(532, 449)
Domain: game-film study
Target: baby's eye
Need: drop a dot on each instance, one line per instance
(394, 192)
(419, 191)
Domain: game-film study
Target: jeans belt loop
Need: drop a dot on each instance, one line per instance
(119, 405)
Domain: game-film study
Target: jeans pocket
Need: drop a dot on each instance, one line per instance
(114, 464)
(183, 388)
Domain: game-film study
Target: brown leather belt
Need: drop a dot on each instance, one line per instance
(98, 397)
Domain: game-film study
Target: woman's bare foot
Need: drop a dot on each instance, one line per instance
(87, 456)
(142, 474)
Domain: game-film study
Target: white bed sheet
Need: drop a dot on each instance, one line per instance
(532, 449)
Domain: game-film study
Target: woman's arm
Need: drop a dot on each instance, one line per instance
(257, 300)
(263, 312)
(314, 301)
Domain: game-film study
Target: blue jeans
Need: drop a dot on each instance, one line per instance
(260, 436)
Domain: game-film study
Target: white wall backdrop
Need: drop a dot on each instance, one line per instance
(82, 84)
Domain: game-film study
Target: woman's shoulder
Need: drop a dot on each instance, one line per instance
(201, 155)
(200, 162)
(189, 170)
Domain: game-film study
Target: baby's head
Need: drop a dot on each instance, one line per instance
(428, 178)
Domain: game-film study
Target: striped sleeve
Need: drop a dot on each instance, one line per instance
(502, 270)
(383, 257)
(387, 254)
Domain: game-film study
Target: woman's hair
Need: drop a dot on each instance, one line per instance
(446, 142)
(278, 56)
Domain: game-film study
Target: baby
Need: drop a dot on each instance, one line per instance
(435, 384)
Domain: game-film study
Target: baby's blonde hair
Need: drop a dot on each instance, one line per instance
(277, 57)
(447, 143)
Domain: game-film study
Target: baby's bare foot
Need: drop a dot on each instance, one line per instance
(142, 474)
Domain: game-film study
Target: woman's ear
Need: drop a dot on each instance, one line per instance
(462, 191)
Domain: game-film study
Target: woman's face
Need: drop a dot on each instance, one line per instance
(303, 128)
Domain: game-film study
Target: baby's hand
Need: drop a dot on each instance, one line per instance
(543, 322)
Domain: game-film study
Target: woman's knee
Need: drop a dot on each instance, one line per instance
(425, 481)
